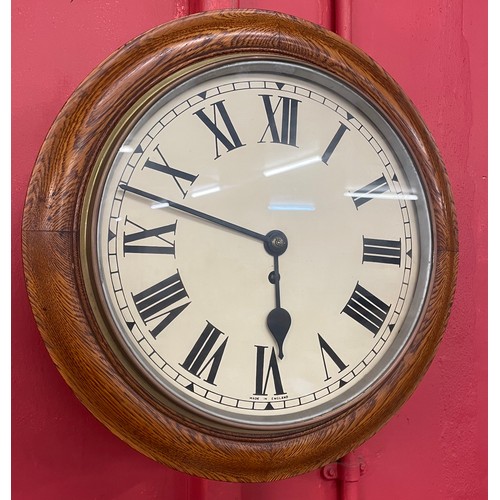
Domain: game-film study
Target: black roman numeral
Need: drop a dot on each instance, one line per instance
(151, 236)
(182, 179)
(160, 301)
(326, 349)
(382, 251)
(219, 110)
(262, 376)
(372, 190)
(368, 310)
(205, 354)
(289, 113)
(334, 143)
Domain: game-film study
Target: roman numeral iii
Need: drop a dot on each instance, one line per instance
(367, 309)
(163, 300)
(220, 112)
(286, 131)
(382, 251)
(206, 354)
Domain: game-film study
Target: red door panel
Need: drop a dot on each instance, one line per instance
(435, 446)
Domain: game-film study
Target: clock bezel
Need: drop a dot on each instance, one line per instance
(55, 279)
(168, 394)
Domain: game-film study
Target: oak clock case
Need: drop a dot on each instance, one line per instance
(240, 249)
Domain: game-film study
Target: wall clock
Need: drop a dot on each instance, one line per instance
(240, 245)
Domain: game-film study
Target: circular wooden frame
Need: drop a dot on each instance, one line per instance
(53, 261)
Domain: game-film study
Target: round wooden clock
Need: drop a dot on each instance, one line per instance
(240, 245)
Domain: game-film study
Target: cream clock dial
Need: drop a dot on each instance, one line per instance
(260, 249)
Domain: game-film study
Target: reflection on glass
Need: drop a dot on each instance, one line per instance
(296, 207)
(384, 196)
(292, 166)
(126, 149)
(204, 191)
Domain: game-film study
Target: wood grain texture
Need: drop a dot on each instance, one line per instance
(53, 266)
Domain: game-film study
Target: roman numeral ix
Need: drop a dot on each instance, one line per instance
(136, 242)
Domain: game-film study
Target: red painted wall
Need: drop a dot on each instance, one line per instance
(435, 447)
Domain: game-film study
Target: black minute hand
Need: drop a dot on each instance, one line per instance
(195, 213)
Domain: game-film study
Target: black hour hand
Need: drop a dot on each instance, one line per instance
(279, 319)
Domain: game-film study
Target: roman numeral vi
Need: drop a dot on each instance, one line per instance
(263, 373)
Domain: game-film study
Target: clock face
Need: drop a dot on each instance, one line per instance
(262, 245)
